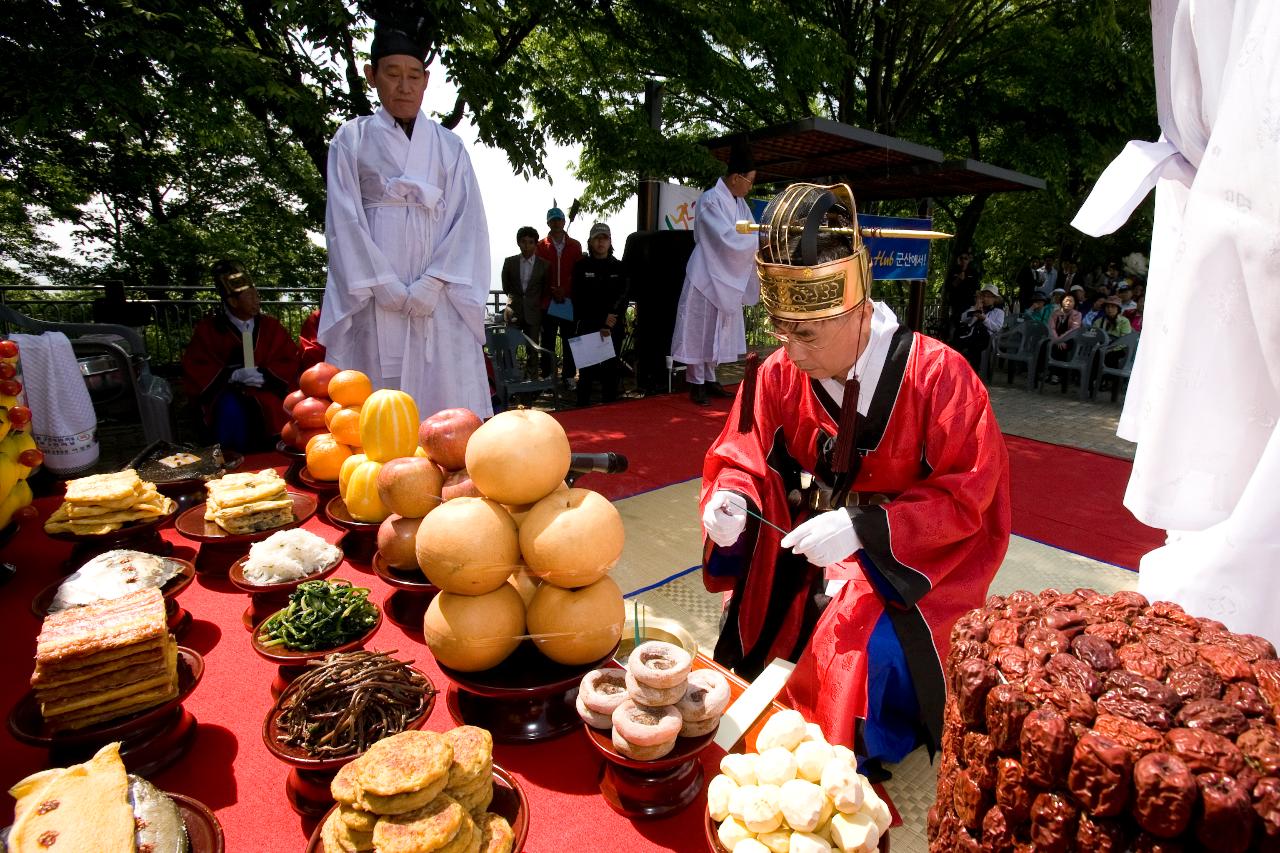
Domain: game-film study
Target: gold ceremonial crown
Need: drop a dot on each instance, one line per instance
(794, 286)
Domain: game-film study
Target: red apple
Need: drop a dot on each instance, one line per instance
(309, 412)
(294, 398)
(315, 379)
(397, 541)
(444, 436)
(296, 437)
(459, 485)
(410, 486)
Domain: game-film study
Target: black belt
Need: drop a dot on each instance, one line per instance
(819, 499)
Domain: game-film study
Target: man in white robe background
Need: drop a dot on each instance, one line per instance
(719, 281)
(1204, 401)
(408, 244)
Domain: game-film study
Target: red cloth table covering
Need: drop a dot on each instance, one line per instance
(229, 769)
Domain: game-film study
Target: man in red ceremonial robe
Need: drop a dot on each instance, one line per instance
(239, 365)
(876, 453)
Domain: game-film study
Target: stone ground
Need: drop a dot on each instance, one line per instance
(663, 545)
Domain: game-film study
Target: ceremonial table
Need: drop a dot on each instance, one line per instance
(229, 769)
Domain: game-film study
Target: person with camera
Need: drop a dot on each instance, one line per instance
(979, 324)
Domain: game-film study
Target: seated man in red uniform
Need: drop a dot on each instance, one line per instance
(872, 455)
(239, 365)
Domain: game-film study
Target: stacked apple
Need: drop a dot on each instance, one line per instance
(19, 455)
(525, 557)
(388, 433)
(328, 451)
(306, 407)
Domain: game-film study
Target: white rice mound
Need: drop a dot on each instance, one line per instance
(288, 555)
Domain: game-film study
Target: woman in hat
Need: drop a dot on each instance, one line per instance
(1112, 321)
(979, 324)
(600, 304)
(873, 458)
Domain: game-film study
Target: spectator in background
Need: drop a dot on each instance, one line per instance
(978, 324)
(1094, 310)
(1126, 298)
(1051, 274)
(1111, 281)
(1112, 321)
(1028, 283)
(1039, 311)
(1069, 279)
(524, 281)
(561, 252)
(239, 365)
(961, 287)
(1077, 293)
(1062, 322)
(1055, 297)
(309, 341)
(600, 291)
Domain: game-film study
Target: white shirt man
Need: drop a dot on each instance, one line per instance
(408, 245)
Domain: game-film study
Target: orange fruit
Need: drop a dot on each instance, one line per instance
(333, 409)
(325, 456)
(345, 425)
(350, 388)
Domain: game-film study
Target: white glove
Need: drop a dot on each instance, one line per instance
(824, 539)
(725, 517)
(390, 297)
(424, 294)
(247, 376)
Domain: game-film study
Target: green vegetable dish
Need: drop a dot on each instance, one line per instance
(320, 615)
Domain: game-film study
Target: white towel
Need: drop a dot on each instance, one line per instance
(63, 422)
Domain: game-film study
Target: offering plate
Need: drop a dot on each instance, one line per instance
(360, 542)
(657, 788)
(219, 549)
(179, 619)
(189, 491)
(509, 801)
(293, 663)
(150, 740)
(297, 460)
(267, 598)
(203, 830)
(142, 535)
(322, 488)
(412, 593)
(526, 698)
(307, 785)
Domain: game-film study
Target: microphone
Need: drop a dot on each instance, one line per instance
(597, 463)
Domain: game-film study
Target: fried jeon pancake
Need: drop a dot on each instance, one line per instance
(466, 841)
(82, 528)
(428, 828)
(343, 786)
(145, 679)
(259, 521)
(478, 801)
(358, 820)
(472, 754)
(80, 670)
(350, 840)
(496, 835)
(243, 488)
(400, 803)
(98, 488)
(116, 625)
(406, 762)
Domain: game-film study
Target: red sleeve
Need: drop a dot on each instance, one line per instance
(309, 341)
(205, 367)
(277, 355)
(958, 516)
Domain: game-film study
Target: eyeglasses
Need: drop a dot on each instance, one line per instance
(808, 334)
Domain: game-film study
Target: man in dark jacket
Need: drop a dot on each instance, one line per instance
(524, 281)
(600, 304)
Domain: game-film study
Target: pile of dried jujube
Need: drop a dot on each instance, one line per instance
(1080, 721)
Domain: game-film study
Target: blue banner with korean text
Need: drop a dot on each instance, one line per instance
(895, 258)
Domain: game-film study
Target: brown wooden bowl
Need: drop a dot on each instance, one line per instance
(27, 725)
(265, 599)
(203, 830)
(320, 487)
(410, 596)
(130, 531)
(192, 524)
(297, 657)
(173, 586)
(509, 800)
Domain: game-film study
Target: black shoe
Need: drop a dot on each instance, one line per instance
(715, 389)
(874, 770)
(698, 393)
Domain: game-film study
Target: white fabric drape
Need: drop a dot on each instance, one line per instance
(718, 282)
(1205, 396)
(408, 211)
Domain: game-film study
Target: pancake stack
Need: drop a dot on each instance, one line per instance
(105, 660)
(419, 792)
(248, 502)
(103, 503)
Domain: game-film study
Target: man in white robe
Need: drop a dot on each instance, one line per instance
(408, 245)
(719, 281)
(1204, 401)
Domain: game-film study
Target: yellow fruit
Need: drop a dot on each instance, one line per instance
(572, 538)
(14, 444)
(577, 626)
(349, 387)
(325, 455)
(361, 494)
(344, 473)
(470, 633)
(388, 425)
(345, 425)
(518, 457)
(9, 473)
(468, 545)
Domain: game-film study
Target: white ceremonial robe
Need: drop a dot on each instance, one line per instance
(405, 210)
(1204, 400)
(719, 281)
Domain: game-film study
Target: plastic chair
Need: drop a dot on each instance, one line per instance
(503, 344)
(150, 392)
(1021, 343)
(1083, 355)
(1122, 373)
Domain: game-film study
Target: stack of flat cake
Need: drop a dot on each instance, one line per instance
(105, 660)
(106, 502)
(248, 502)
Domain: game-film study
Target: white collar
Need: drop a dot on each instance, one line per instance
(870, 364)
(242, 325)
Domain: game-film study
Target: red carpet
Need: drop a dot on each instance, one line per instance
(1062, 496)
